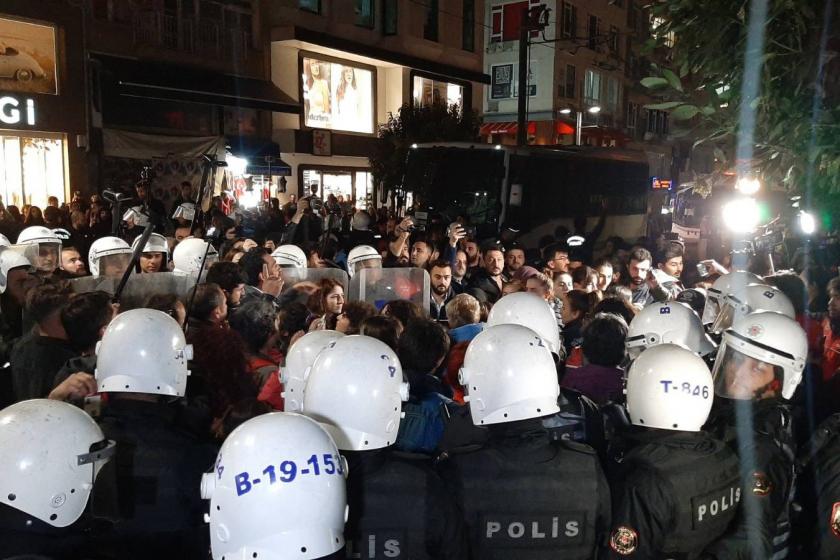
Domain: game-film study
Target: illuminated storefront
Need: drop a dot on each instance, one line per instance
(42, 104)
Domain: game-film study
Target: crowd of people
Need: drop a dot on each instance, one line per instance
(568, 398)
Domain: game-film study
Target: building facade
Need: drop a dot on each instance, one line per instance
(586, 63)
(351, 64)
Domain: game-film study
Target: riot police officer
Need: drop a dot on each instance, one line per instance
(50, 455)
(524, 496)
(152, 485)
(578, 418)
(668, 323)
(277, 491)
(675, 488)
(758, 367)
(398, 505)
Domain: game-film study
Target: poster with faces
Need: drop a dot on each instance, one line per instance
(337, 96)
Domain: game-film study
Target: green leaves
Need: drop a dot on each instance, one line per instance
(684, 112)
(673, 79)
(653, 82)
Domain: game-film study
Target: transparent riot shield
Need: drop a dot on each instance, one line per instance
(139, 287)
(381, 285)
(30, 252)
(292, 276)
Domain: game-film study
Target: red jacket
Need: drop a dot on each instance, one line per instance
(266, 374)
(830, 352)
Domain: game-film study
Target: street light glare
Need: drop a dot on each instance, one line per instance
(566, 111)
(807, 223)
(741, 215)
(594, 110)
(748, 185)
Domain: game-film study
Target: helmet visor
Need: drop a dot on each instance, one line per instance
(114, 265)
(742, 377)
(48, 257)
(712, 307)
(371, 262)
(724, 319)
(184, 213)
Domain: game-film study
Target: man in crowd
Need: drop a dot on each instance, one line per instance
(263, 274)
(637, 272)
(514, 259)
(231, 279)
(440, 273)
(556, 257)
(72, 264)
(487, 282)
(423, 252)
(459, 271)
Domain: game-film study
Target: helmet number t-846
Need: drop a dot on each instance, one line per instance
(685, 388)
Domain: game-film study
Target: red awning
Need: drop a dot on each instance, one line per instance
(507, 127)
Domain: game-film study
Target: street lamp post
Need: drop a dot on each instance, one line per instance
(579, 120)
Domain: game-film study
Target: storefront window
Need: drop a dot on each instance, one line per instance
(428, 92)
(31, 169)
(337, 96)
(349, 184)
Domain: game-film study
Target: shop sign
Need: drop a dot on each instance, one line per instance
(321, 143)
(17, 111)
(660, 184)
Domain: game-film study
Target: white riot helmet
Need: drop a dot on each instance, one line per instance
(49, 247)
(107, 252)
(185, 210)
(669, 387)
(668, 323)
(290, 256)
(4, 241)
(37, 234)
(10, 260)
(277, 491)
(362, 256)
(136, 214)
(722, 287)
(355, 389)
(748, 299)
(143, 351)
(188, 254)
(528, 310)
(763, 351)
(300, 358)
(62, 234)
(509, 375)
(155, 244)
(50, 455)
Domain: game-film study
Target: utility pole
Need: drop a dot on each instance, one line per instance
(535, 20)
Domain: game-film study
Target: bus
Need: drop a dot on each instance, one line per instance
(535, 189)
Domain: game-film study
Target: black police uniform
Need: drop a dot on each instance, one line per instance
(526, 497)
(151, 487)
(23, 536)
(400, 509)
(767, 452)
(818, 490)
(674, 493)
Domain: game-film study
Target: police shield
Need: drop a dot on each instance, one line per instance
(292, 276)
(381, 285)
(139, 288)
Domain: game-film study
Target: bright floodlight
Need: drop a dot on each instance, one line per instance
(741, 215)
(594, 110)
(236, 165)
(807, 223)
(566, 111)
(748, 185)
(414, 146)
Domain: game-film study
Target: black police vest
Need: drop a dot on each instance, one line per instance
(388, 508)
(530, 506)
(704, 476)
(151, 487)
(820, 491)
(773, 429)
